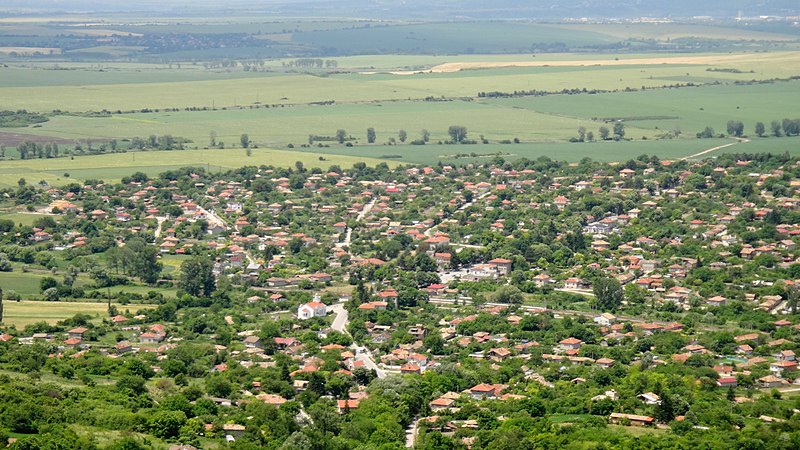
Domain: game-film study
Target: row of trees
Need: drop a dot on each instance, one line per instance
(30, 149)
(604, 133)
(777, 128)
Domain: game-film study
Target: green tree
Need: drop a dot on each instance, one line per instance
(245, 140)
(371, 136)
(457, 133)
(341, 135)
(619, 130)
(608, 293)
(760, 129)
(426, 135)
(166, 424)
(508, 294)
(604, 132)
(775, 127)
(735, 128)
(402, 135)
(197, 277)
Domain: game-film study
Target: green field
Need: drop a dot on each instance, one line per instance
(692, 108)
(112, 167)
(25, 313)
(27, 283)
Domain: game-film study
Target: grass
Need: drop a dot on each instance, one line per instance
(112, 167)
(133, 87)
(24, 313)
(26, 284)
(692, 108)
(22, 218)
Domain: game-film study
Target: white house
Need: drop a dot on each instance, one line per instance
(312, 309)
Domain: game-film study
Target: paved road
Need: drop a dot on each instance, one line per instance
(341, 320)
(349, 234)
(429, 232)
(160, 220)
(411, 432)
(340, 324)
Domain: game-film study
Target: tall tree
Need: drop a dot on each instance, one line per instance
(371, 136)
(245, 140)
(402, 135)
(426, 135)
(341, 135)
(603, 131)
(457, 133)
(608, 293)
(619, 130)
(760, 129)
(197, 276)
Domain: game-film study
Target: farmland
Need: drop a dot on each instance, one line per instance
(396, 86)
(115, 166)
(23, 313)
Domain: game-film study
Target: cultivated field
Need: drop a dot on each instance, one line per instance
(429, 83)
(24, 313)
(113, 167)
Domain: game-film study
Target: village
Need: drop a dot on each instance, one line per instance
(636, 293)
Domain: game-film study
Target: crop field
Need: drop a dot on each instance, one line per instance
(112, 167)
(27, 283)
(573, 152)
(40, 88)
(24, 313)
(689, 109)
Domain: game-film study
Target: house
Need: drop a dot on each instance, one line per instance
(570, 344)
(605, 319)
(418, 331)
(123, 347)
(77, 333)
(499, 354)
(344, 406)
(409, 368)
(233, 429)
(312, 309)
(726, 382)
(771, 381)
(503, 265)
(253, 342)
(650, 398)
(484, 391)
(441, 403)
(573, 283)
(783, 368)
(605, 362)
(542, 280)
(633, 419)
(151, 338)
(388, 295)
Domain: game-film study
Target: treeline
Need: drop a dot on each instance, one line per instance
(311, 63)
(777, 128)
(576, 91)
(31, 150)
(20, 118)
(154, 142)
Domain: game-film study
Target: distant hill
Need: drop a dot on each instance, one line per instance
(416, 9)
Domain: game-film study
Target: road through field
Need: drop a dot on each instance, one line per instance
(713, 149)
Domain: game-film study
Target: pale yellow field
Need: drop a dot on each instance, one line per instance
(24, 313)
(753, 58)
